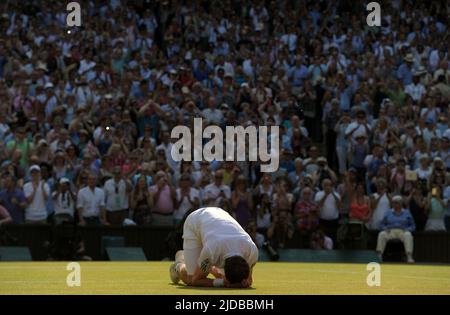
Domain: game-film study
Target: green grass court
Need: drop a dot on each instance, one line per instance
(269, 278)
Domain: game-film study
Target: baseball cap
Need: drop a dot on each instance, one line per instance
(35, 168)
(397, 199)
(42, 142)
(64, 180)
(245, 84)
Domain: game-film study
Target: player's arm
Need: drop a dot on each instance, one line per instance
(199, 278)
(204, 266)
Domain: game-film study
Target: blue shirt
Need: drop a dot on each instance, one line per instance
(345, 98)
(294, 178)
(136, 177)
(286, 142)
(402, 220)
(375, 165)
(288, 165)
(17, 213)
(200, 75)
(298, 74)
(446, 199)
(404, 73)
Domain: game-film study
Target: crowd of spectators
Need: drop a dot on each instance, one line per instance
(86, 115)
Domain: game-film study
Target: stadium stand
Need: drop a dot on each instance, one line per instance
(86, 121)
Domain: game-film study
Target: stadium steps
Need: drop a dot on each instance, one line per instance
(324, 256)
(111, 241)
(114, 249)
(125, 254)
(15, 253)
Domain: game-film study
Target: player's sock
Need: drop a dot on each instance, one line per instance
(174, 272)
(177, 267)
(179, 256)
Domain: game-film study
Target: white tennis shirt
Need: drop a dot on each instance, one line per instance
(221, 237)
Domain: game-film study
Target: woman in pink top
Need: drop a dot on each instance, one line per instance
(306, 211)
(360, 205)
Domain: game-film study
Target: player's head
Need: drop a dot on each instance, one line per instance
(236, 269)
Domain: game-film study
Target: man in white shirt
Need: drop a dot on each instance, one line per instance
(50, 101)
(383, 50)
(86, 65)
(381, 204)
(83, 93)
(64, 202)
(91, 204)
(359, 127)
(290, 39)
(187, 198)
(444, 71)
(5, 130)
(329, 203)
(212, 240)
(217, 193)
(143, 42)
(36, 191)
(166, 145)
(212, 114)
(416, 90)
(117, 190)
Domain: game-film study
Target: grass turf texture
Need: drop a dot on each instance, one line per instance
(269, 278)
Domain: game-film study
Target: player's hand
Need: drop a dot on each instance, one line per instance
(216, 273)
(246, 283)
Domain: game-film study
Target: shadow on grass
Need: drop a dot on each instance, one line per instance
(185, 287)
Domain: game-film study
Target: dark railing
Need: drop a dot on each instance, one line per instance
(428, 246)
(37, 237)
